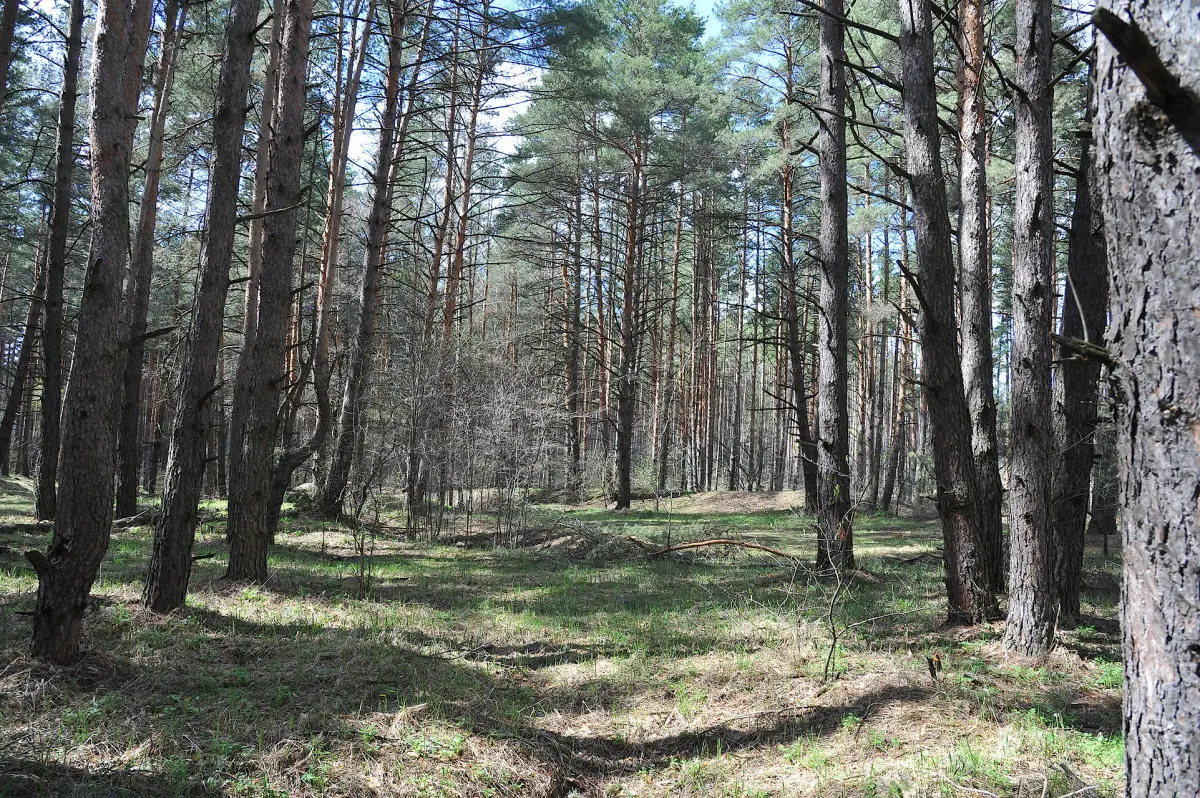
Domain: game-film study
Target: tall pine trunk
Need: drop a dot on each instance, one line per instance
(56, 265)
(976, 281)
(630, 318)
(390, 146)
(835, 541)
(967, 586)
(1031, 610)
(1085, 314)
(83, 521)
(137, 291)
(251, 489)
(171, 561)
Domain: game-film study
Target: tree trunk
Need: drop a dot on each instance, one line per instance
(1085, 314)
(251, 487)
(630, 318)
(243, 378)
(8, 28)
(171, 561)
(137, 292)
(797, 339)
(391, 145)
(1030, 629)
(16, 397)
(84, 518)
(835, 510)
(1148, 146)
(976, 282)
(967, 586)
(56, 265)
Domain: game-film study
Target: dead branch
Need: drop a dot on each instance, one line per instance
(713, 542)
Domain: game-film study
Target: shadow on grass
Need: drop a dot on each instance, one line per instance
(221, 695)
(23, 778)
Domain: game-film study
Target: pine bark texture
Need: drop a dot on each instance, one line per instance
(1084, 317)
(1148, 164)
(976, 281)
(968, 590)
(1031, 605)
(171, 561)
(84, 514)
(251, 488)
(835, 540)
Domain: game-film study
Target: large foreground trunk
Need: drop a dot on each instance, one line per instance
(1148, 159)
(84, 517)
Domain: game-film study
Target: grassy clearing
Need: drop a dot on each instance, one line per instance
(581, 668)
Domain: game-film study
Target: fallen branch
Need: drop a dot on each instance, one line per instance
(714, 542)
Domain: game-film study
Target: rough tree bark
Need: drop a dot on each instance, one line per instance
(56, 265)
(84, 517)
(976, 280)
(968, 590)
(1148, 163)
(1085, 315)
(1031, 610)
(171, 561)
(835, 540)
(250, 491)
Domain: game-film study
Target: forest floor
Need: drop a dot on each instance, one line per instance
(570, 661)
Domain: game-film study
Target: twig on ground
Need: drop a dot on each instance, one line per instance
(972, 790)
(745, 544)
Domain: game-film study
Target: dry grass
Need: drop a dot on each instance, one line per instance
(426, 669)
